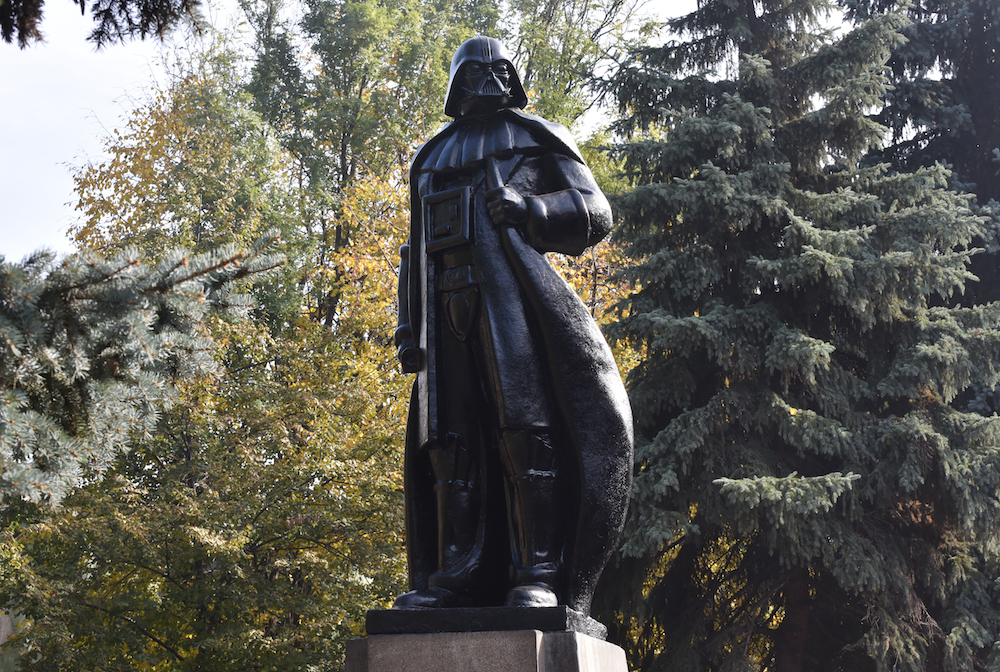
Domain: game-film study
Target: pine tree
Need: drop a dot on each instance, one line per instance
(944, 106)
(116, 20)
(91, 348)
(808, 495)
(945, 102)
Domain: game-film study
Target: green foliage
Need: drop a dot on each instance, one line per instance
(945, 96)
(377, 86)
(348, 104)
(263, 517)
(810, 491)
(252, 532)
(559, 46)
(91, 349)
(944, 106)
(117, 20)
(193, 166)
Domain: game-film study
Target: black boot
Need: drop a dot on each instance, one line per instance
(536, 518)
(430, 598)
(459, 535)
(460, 529)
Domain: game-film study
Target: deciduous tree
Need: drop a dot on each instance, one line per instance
(194, 165)
(263, 517)
(561, 46)
(252, 532)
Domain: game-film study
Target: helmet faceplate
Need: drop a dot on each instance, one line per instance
(486, 50)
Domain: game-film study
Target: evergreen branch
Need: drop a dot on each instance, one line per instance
(166, 285)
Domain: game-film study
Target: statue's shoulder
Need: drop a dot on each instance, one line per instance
(556, 136)
(418, 156)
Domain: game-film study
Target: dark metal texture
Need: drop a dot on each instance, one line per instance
(519, 440)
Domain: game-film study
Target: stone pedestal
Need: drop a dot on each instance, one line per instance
(512, 651)
(555, 639)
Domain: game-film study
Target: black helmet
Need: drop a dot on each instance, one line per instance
(486, 50)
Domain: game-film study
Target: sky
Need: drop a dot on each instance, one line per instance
(60, 99)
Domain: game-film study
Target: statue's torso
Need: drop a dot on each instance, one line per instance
(490, 317)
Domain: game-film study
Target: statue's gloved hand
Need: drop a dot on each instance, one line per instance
(410, 356)
(506, 206)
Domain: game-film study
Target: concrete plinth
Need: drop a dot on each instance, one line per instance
(481, 619)
(509, 651)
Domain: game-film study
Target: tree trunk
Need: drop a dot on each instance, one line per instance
(790, 647)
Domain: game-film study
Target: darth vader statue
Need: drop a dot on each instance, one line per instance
(519, 438)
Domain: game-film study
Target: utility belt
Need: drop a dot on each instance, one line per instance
(457, 277)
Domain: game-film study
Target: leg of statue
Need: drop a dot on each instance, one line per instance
(459, 525)
(460, 530)
(456, 462)
(535, 517)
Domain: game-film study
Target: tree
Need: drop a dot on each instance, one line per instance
(263, 518)
(193, 166)
(92, 347)
(375, 91)
(117, 20)
(252, 532)
(944, 106)
(945, 102)
(561, 46)
(809, 495)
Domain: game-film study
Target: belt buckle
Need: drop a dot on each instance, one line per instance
(446, 214)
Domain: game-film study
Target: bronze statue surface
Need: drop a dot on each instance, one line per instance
(519, 439)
